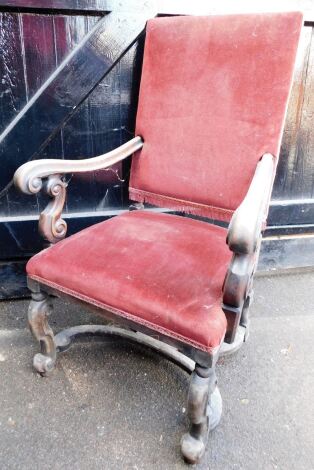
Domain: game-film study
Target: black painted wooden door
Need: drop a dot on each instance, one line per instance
(70, 73)
(69, 85)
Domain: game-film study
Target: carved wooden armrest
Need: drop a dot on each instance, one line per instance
(245, 232)
(47, 174)
(244, 239)
(247, 221)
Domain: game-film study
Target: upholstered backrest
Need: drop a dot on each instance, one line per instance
(212, 101)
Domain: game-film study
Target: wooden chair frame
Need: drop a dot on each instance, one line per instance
(244, 239)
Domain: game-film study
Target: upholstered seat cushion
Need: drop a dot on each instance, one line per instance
(160, 270)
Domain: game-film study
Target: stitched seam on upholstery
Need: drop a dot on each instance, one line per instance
(122, 313)
(183, 202)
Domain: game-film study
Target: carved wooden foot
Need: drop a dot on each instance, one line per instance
(39, 309)
(204, 411)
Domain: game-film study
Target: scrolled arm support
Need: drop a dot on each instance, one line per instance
(31, 177)
(51, 226)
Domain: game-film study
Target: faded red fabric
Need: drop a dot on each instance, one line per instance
(161, 270)
(212, 101)
(213, 98)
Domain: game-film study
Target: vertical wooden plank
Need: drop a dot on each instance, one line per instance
(104, 105)
(304, 167)
(131, 67)
(38, 54)
(18, 203)
(76, 133)
(12, 82)
(112, 114)
(96, 128)
(67, 32)
(38, 40)
(285, 183)
(46, 40)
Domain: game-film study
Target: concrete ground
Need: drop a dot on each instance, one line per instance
(112, 405)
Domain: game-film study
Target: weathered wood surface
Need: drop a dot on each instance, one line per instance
(167, 7)
(296, 166)
(66, 88)
(293, 194)
(33, 45)
(104, 120)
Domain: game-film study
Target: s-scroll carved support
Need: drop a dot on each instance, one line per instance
(31, 177)
(51, 226)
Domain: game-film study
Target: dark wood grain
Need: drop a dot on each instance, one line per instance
(295, 175)
(61, 5)
(304, 167)
(103, 120)
(12, 84)
(39, 50)
(46, 40)
(13, 91)
(58, 98)
(286, 176)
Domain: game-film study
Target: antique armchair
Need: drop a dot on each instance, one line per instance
(211, 109)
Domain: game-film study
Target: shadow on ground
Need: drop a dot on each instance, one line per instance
(112, 405)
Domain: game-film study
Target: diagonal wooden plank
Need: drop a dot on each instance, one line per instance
(163, 7)
(67, 87)
(75, 6)
(69, 5)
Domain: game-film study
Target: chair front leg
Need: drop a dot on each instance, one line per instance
(245, 317)
(39, 309)
(204, 411)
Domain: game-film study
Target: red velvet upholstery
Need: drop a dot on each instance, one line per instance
(212, 101)
(213, 98)
(161, 270)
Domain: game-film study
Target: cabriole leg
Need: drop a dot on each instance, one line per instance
(204, 411)
(39, 309)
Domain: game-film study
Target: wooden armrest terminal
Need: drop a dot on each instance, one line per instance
(29, 179)
(244, 238)
(247, 221)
